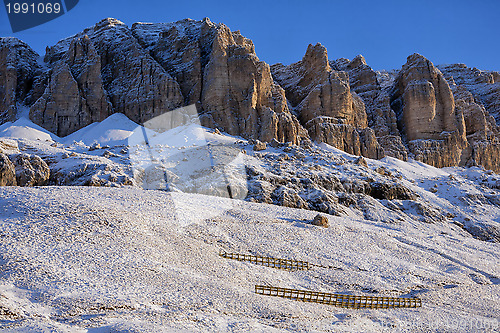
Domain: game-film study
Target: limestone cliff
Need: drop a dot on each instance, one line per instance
(444, 116)
(323, 100)
(219, 71)
(425, 108)
(18, 68)
(100, 71)
(381, 118)
(477, 94)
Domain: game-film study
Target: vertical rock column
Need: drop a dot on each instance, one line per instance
(425, 107)
(325, 104)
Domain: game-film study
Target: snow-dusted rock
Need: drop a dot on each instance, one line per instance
(482, 84)
(219, 71)
(320, 220)
(327, 107)
(8, 146)
(31, 170)
(18, 67)
(7, 171)
(259, 145)
(476, 95)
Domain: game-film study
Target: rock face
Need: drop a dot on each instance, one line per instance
(325, 104)
(74, 95)
(30, 170)
(475, 92)
(442, 116)
(424, 100)
(18, 67)
(219, 71)
(7, 172)
(425, 108)
(100, 71)
(484, 86)
(381, 118)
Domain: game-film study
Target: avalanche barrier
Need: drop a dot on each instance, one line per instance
(345, 301)
(268, 261)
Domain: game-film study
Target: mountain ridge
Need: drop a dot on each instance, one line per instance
(441, 115)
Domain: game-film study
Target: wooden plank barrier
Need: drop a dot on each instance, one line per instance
(268, 261)
(345, 301)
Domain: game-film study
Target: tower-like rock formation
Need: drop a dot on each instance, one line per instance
(219, 71)
(325, 104)
(381, 118)
(425, 108)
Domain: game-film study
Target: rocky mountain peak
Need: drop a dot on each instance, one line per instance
(218, 70)
(358, 61)
(316, 57)
(108, 22)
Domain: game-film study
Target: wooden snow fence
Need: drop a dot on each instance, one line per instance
(268, 261)
(345, 301)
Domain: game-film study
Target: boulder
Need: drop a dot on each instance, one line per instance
(259, 145)
(320, 220)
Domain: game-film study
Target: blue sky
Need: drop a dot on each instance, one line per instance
(385, 32)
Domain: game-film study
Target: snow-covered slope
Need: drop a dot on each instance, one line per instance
(23, 128)
(100, 259)
(113, 131)
(97, 259)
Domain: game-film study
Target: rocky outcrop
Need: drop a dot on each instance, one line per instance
(30, 170)
(425, 108)
(284, 180)
(480, 127)
(482, 84)
(361, 142)
(7, 171)
(219, 71)
(74, 96)
(18, 67)
(100, 71)
(8, 146)
(325, 104)
(381, 118)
